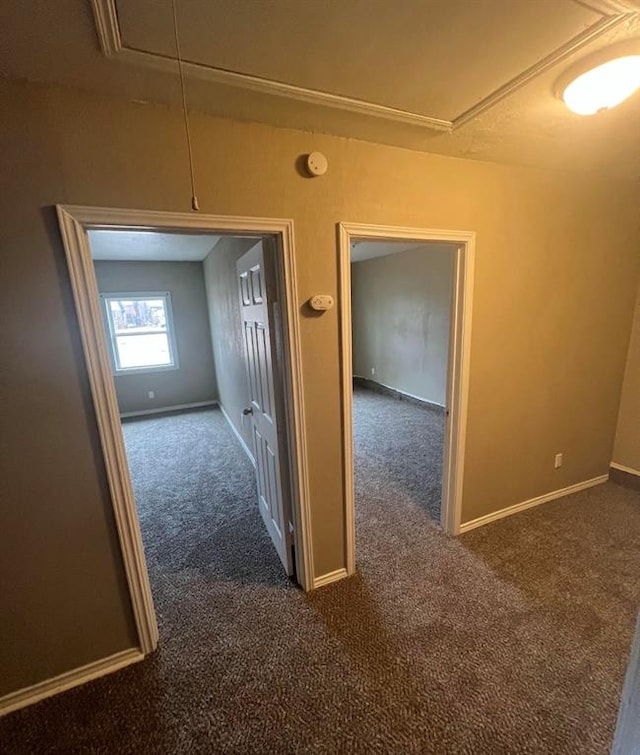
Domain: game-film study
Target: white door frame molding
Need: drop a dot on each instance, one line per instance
(74, 222)
(458, 370)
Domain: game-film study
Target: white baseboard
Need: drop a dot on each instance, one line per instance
(501, 513)
(628, 470)
(327, 579)
(246, 448)
(164, 409)
(41, 690)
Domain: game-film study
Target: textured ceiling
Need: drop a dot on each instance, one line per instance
(148, 246)
(433, 59)
(368, 250)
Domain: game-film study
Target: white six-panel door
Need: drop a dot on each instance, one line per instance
(257, 302)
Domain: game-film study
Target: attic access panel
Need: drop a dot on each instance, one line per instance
(436, 58)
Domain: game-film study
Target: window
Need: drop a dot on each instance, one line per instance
(140, 328)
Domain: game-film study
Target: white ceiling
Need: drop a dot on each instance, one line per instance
(149, 246)
(469, 78)
(368, 250)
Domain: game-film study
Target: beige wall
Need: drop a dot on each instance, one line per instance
(627, 446)
(401, 315)
(551, 318)
(194, 380)
(221, 283)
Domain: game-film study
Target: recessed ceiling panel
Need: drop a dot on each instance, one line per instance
(433, 57)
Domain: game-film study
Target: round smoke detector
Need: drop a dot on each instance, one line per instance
(317, 164)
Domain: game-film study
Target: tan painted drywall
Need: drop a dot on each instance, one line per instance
(194, 380)
(626, 450)
(226, 329)
(546, 363)
(401, 315)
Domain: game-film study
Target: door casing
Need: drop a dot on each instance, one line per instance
(74, 223)
(457, 374)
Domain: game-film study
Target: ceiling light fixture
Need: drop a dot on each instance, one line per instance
(604, 86)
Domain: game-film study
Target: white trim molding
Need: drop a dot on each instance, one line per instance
(622, 468)
(612, 14)
(463, 251)
(81, 675)
(524, 505)
(329, 577)
(75, 222)
(590, 34)
(105, 16)
(73, 227)
(167, 409)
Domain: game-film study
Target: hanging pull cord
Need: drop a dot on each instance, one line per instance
(194, 199)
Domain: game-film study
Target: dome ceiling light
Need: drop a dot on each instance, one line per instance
(603, 86)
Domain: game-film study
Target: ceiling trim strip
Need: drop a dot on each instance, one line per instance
(564, 51)
(610, 7)
(108, 30)
(279, 88)
(105, 15)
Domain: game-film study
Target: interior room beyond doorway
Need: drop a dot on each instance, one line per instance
(401, 325)
(191, 379)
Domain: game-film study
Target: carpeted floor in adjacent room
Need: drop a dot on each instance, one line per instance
(398, 447)
(511, 639)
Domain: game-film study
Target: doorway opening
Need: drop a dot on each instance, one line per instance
(405, 325)
(191, 343)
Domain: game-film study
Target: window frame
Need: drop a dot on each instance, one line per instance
(106, 297)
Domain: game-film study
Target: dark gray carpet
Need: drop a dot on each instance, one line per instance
(511, 639)
(195, 490)
(399, 445)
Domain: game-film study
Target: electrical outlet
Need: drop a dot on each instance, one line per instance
(558, 461)
(151, 394)
(373, 370)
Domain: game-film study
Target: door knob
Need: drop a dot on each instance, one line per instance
(248, 410)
